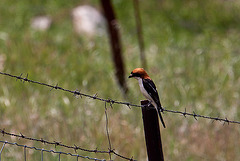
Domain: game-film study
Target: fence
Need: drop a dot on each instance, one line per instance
(76, 148)
(111, 101)
(44, 150)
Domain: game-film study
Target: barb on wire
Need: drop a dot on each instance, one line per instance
(55, 143)
(195, 116)
(49, 151)
(111, 101)
(75, 92)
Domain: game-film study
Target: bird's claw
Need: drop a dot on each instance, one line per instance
(149, 104)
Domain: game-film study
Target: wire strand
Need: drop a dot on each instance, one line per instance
(111, 101)
(49, 151)
(55, 143)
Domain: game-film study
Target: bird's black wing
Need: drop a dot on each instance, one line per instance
(152, 90)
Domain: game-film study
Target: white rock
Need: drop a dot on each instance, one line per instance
(88, 20)
(41, 23)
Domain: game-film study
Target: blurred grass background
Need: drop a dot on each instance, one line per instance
(192, 50)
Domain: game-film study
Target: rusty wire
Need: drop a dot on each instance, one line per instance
(75, 147)
(49, 151)
(110, 151)
(111, 101)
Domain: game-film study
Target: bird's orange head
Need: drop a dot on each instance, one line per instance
(139, 73)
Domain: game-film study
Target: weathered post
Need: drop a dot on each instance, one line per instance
(152, 132)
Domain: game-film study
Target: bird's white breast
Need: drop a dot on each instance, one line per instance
(144, 92)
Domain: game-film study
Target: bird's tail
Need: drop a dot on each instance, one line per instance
(160, 116)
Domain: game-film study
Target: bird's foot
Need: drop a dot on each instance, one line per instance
(149, 103)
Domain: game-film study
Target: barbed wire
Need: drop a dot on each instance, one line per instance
(194, 115)
(108, 136)
(111, 101)
(44, 150)
(75, 92)
(75, 147)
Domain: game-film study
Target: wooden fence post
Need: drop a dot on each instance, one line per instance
(152, 132)
(116, 46)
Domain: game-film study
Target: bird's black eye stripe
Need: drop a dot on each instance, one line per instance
(135, 74)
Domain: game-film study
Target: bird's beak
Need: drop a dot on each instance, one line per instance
(130, 76)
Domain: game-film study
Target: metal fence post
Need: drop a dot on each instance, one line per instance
(152, 132)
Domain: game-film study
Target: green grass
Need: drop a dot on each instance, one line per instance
(192, 50)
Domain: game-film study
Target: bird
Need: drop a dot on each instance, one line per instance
(148, 89)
